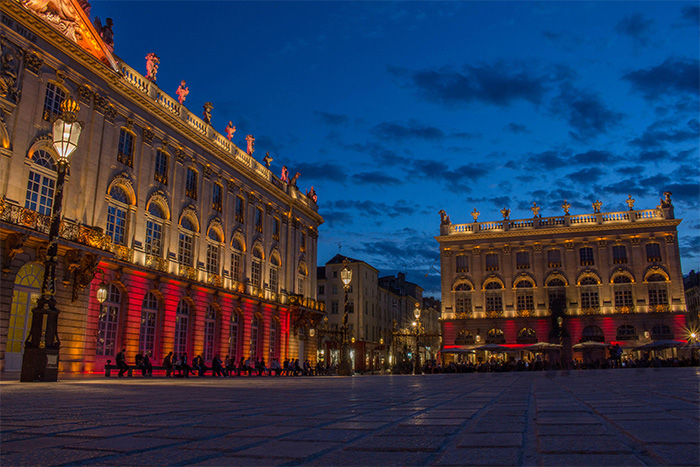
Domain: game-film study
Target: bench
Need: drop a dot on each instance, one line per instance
(109, 368)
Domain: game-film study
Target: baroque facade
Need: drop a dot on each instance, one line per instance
(202, 248)
(610, 277)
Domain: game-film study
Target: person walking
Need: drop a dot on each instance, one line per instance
(121, 363)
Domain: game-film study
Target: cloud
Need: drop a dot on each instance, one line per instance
(516, 128)
(548, 159)
(585, 112)
(637, 27)
(500, 83)
(691, 14)
(595, 157)
(335, 218)
(672, 77)
(332, 119)
(396, 131)
(319, 171)
(584, 176)
(455, 179)
(666, 131)
(375, 178)
(374, 209)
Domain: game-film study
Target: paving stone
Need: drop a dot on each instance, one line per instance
(287, 449)
(186, 432)
(590, 459)
(126, 444)
(479, 456)
(36, 443)
(338, 436)
(51, 456)
(581, 444)
(490, 440)
(673, 454)
(419, 430)
(361, 458)
(398, 443)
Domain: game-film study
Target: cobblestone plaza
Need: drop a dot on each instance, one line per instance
(596, 417)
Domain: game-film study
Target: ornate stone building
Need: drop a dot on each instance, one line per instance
(611, 277)
(202, 248)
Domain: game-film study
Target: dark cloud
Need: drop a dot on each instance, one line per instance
(336, 218)
(265, 144)
(548, 159)
(516, 128)
(667, 131)
(375, 178)
(672, 77)
(332, 119)
(631, 170)
(654, 156)
(374, 209)
(691, 14)
(686, 193)
(500, 83)
(495, 201)
(381, 154)
(637, 27)
(320, 171)
(595, 157)
(397, 131)
(587, 114)
(457, 180)
(585, 176)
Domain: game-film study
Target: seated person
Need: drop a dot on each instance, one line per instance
(217, 368)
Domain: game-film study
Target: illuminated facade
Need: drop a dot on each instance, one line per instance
(611, 277)
(203, 249)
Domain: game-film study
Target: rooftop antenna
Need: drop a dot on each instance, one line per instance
(340, 245)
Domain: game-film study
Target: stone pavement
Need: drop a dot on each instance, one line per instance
(597, 417)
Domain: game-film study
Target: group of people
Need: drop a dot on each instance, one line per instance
(178, 367)
(142, 361)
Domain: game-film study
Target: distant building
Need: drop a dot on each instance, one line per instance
(610, 277)
(691, 284)
(202, 248)
(378, 308)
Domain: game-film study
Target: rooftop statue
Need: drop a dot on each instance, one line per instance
(444, 218)
(294, 179)
(535, 209)
(566, 206)
(475, 214)
(666, 200)
(208, 106)
(285, 174)
(230, 130)
(267, 159)
(312, 194)
(152, 62)
(506, 213)
(597, 205)
(182, 92)
(630, 202)
(105, 31)
(251, 144)
(85, 5)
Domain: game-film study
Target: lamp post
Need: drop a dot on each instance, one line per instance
(40, 359)
(416, 325)
(345, 368)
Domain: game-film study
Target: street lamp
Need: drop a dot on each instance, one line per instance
(416, 326)
(345, 368)
(40, 359)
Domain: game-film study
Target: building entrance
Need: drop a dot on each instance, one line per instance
(24, 297)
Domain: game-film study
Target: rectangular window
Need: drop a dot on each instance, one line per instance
(492, 262)
(525, 302)
(494, 302)
(147, 332)
(209, 331)
(334, 289)
(463, 302)
(181, 322)
(653, 252)
(184, 249)
(276, 229)
(125, 153)
(255, 275)
(619, 254)
(334, 307)
(657, 296)
(300, 285)
(216, 203)
(554, 258)
(40, 193)
(522, 260)
(623, 297)
(161, 171)
(52, 102)
(212, 259)
(586, 256)
(116, 224)
(191, 183)
(589, 299)
(273, 279)
(236, 271)
(302, 242)
(240, 210)
(351, 307)
(153, 238)
(462, 263)
(258, 220)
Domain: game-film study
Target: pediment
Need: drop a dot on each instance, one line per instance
(69, 18)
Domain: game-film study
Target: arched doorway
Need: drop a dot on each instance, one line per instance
(26, 292)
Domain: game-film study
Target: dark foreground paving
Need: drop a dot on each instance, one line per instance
(602, 417)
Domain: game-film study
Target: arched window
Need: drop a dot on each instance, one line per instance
(658, 294)
(256, 268)
(274, 273)
(233, 338)
(185, 248)
(182, 321)
(41, 183)
(209, 333)
(623, 294)
(255, 329)
(527, 336)
(116, 215)
(495, 336)
(464, 337)
(274, 339)
(154, 230)
(463, 298)
(494, 299)
(524, 298)
(590, 302)
(592, 333)
(109, 322)
(55, 96)
(626, 332)
(237, 250)
(147, 330)
(125, 152)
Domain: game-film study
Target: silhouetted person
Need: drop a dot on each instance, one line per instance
(121, 363)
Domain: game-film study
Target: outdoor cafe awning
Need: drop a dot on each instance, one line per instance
(458, 349)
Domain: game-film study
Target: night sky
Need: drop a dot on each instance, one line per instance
(393, 111)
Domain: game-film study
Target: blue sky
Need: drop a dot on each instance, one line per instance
(395, 110)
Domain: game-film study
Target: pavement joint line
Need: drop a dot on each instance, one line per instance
(528, 455)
